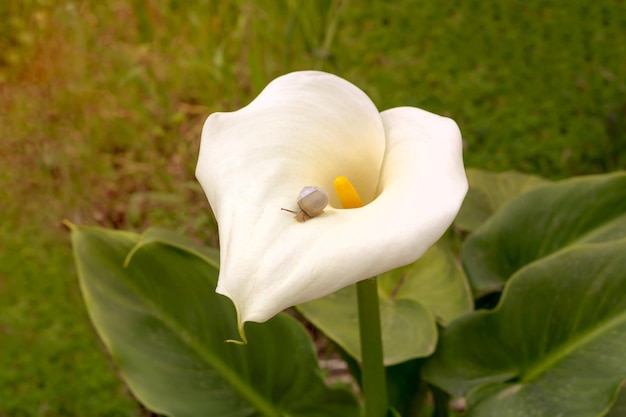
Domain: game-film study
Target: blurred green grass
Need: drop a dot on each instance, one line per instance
(102, 103)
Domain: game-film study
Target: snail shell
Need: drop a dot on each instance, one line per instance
(312, 202)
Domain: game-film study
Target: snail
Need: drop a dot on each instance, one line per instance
(312, 202)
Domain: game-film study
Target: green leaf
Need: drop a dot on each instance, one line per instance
(410, 299)
(167, 237)
(409, 322)
(543, 221)
(619, 407)
(488, 191)
(555, 345)
(165, 326)
(393, 413)
(435, 280)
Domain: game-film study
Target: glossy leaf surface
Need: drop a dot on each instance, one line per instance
(543, 221)
(165, 327)
(488, 191)
(555, 345)
(411, 298)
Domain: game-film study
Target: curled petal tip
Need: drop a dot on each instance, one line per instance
(242, 335)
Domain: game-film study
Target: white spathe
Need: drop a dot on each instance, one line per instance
(307, 128)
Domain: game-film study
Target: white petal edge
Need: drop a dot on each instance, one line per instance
(269, 262)
(305, 128)
(422, 187)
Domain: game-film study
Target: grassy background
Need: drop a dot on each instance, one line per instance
(101, 106)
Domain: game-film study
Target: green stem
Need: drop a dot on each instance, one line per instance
(373, 382)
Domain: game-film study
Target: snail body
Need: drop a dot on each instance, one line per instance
(312, 202)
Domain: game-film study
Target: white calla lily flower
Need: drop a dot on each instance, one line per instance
(306, 129)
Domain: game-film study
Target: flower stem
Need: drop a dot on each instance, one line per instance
(373, 382)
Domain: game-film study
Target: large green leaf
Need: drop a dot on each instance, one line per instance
(170, 238)
(555, 345)
(165, 327)
(619, 407)
(488, 191)
(543, 221)
(435, 280)
(410, 299)
(408, 327)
